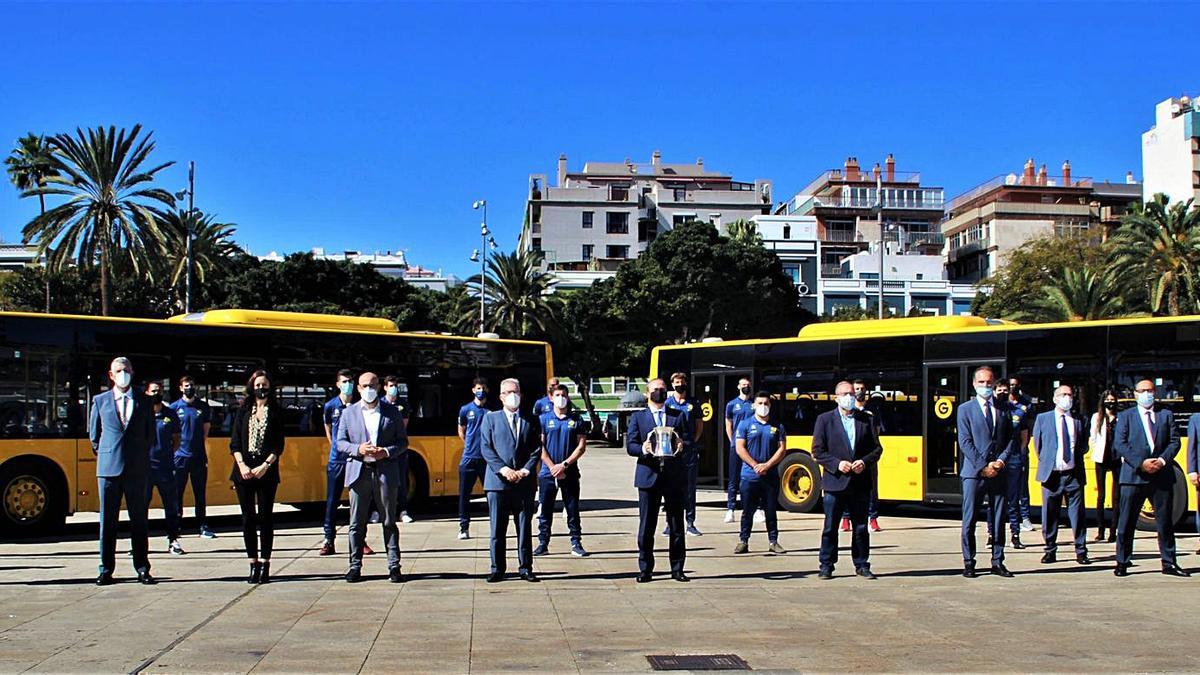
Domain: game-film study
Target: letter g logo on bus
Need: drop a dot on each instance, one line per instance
(707, 410)
(942, 407)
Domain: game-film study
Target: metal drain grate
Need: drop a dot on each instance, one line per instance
(698, 662)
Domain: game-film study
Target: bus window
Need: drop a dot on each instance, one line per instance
(891, 373)
(302, 388)
(35, 401)
(221, 382)
(805, 394)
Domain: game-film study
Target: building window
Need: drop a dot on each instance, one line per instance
(537, 243)
(793, 273)
(588, 250)
(681, 218)
(618, 193)
(679, 194)
(618, 223)
(617, 252)
(1071, 228)
(787, 231)
(587, 219)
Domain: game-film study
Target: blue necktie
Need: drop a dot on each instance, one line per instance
(660, 418)
(1066, 441)
(987, 414)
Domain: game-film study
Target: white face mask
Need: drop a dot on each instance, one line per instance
(846, 401)
(1064, 403)
(512, 400)
(762, 410)
(369, 394)
(122, 379)
(560, 402)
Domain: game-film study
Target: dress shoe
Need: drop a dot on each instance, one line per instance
(367, 550)
(1083, 559)
(1017, 542)
(255, 573)
(105, 579)
(1049, 558)
(327, 549)
(1001, 571)
(825, 573)
(265, 576)
(865, 572)
(395, 576)
(353, 576)
(495, 577)
(1121, 570)
(1099, 537)
(969, 570)
(530, 577)
(1175, 571)
(145, 579)
(680, 576)
(644, 577)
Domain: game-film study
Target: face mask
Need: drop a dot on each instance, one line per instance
(745, 391)
(188, 392)
(860, 396)
(762, 411)
(261, 394)
(346, 388)
(846, 401)
(369, 394)
(681, 389)
(560, 402)
(122, 379)
(1110, 405)
(393, 391)
(1064, 403)
(983, 392)
(1145, 399)
(480, 395)
(1002, 396)
(658, 395)
(155, 398)
(512, 401)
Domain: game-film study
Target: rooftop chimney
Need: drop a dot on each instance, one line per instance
(1067, 173)
(700, 162)
(875, 171)
(655, 158)
(1042, 175)
(1129, 179)
(1027, 176)
(851, 167)
(562, 170)
(891, 168)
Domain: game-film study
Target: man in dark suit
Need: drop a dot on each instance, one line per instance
(984, 444)
(512, 446)
(1193, 460)
(121, 428)
(1146, 442)
(658, 480)
(371, 435)
(1060, 443)
(846, 445)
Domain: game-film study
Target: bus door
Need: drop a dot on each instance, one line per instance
(946, 387)
(713, 390)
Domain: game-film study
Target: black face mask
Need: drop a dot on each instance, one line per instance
(860, 397)
(261, 394)
(681, 389)
(189, 392)
(745, 391)
(1001, 396)
(658, 395)
(1110, 405)
(154, 398)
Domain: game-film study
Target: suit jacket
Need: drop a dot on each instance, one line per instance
(1133, 448)
(500, 449)
(831, 446)
(977, 445)
(1193, 438)
(352, 432)
(121, 449)
(1046, 430)
(649, 468)
(273, 440)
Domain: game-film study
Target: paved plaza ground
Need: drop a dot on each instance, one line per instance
(589, 614)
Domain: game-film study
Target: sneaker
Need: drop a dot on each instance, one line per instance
(463, 534)
(1026, 525)
(729, 516)
(776, 548)
(845, 524)
(578, 551)
(742, 547)
(174, 547)
(541, 549)
(875, 525)
(327, 549)
(760, 516)
(367, 550)
(374, 517)
(405, 518)
(207, 533)
(691, 529)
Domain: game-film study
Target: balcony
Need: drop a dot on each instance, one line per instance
(832, 270)
(840, 236)
(915, 239)
(896, 199)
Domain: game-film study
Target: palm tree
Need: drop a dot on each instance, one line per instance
(743, 231)
(110, 210)
(212, 244)
(29, 165)
(518, 295)
(1079, 294)
(1157, 249)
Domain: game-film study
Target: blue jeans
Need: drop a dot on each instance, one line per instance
(760, 493)
(548, 490)
(469, 471)
(194, 468)
(335, 482)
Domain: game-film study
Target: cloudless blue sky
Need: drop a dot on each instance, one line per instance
(374, 126)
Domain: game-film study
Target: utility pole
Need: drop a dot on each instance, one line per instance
(879, 216)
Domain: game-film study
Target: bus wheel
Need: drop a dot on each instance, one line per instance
(799, 483)
(1145, 521)
(35, 498)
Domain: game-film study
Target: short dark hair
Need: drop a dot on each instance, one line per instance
(481, 381)
(391, 379)
(763, 394)
(345, 372)
(563, 388)
(185, 379)
(858, 382)
(679, 376)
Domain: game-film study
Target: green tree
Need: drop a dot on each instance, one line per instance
(74, 292)
(743, 231)
(1081, 294)
(1030, 268)
(110, 212)
(518, 295)
(1156, 252)
(29, 165)
(852, 313)
(213, 246)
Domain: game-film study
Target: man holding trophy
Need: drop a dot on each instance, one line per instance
(655, 438)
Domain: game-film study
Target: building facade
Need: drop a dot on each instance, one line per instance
(1171, 150)
(595, 219)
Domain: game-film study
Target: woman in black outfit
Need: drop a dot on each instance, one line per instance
(1107, 462)
(256, 442)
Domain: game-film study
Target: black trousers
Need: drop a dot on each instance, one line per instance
(1104, 471)
(1163, 500)
(257, 500)
(671, 491)
(856, 502)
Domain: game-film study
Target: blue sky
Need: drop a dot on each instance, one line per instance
(374, 126)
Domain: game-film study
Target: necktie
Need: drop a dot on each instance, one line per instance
(660, 418)
(514, 426)
(121, 411)
(1153, 431)
(987, 413)
(1066, 441)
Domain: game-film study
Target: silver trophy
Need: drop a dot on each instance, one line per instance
(665, 442)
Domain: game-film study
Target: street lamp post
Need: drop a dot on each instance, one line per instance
(485, 240)
(882, 242)
(187, 223)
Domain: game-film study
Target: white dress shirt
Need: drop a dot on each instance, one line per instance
(1059, 464)
(124, 401)
(1145, 415)
(371, 420)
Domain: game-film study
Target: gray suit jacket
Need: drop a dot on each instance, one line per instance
(352, 432)
(500, 449)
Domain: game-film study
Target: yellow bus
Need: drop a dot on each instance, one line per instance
(51, 366)
(917, 370)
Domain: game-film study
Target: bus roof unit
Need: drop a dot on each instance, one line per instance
(273, 319)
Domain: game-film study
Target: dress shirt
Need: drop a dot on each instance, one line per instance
(848, 425)
(371, 421)
(124, 401)
(1059, 464)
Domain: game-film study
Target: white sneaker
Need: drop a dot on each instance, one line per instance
(462, 534)
(729, 516)
(405, 518)
(174, 547)
(374, 517)
(760, 517)
(1026, 525)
